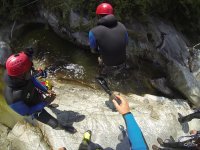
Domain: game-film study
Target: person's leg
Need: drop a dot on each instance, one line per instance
(46, 118)
(189, 117)
(87, 144)
(86, 140)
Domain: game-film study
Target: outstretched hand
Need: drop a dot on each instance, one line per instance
(122, 108)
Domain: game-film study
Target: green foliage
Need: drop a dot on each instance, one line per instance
(183, 13)
(11, 9)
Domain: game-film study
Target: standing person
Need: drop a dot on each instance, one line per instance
(109, 38)
(25, 94)
(134, 132)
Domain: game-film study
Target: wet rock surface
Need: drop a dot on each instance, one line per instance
(157, 117)
(5, 52)
(185, 82)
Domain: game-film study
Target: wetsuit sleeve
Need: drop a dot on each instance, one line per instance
(92, 41)
(38, 85)
(134, 133)
(22, 109)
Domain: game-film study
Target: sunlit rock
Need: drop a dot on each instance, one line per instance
(157, 117)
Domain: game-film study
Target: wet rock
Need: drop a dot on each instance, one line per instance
(162, 86)
(157, 117)
(25, 136)
(195, 62)
(70, 32)
(181, 78)
(76, 20)
(5, 33)
(5, 52)
(157, 37)
(160, 43)
(168, 40)
(3, 137)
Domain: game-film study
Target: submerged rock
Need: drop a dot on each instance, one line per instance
(157, 117)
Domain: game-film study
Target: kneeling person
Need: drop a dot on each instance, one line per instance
(25, 94)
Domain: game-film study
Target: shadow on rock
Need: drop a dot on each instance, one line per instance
(68, 117)
(124, 140)
(185, 125)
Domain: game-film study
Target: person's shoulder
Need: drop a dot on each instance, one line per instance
(121, 24)
(96, 28)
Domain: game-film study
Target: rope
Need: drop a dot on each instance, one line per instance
(29, 3)
(12, 29)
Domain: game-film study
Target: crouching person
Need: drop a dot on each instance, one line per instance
(25, 94)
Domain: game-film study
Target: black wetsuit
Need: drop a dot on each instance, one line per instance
(109, 38)
(25, 97)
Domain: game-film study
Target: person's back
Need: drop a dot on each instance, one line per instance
(111, 38)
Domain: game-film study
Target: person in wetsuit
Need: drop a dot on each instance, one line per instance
(25, 94)
(191, 142)
(109, 38)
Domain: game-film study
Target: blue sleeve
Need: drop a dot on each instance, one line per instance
(134, 133)
(22, 109)
(92, 40)
(38, 85)
(126, 38)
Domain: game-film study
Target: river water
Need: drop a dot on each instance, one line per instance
(68, 63)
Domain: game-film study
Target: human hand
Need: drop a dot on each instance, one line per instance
(50, 97)
(193, 132)
(51, 93)
(122, 108)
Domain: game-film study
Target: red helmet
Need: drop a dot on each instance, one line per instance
(104, 9)
(18, 64)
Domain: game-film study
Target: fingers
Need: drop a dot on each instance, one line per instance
(115, 103)
(120, 98)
